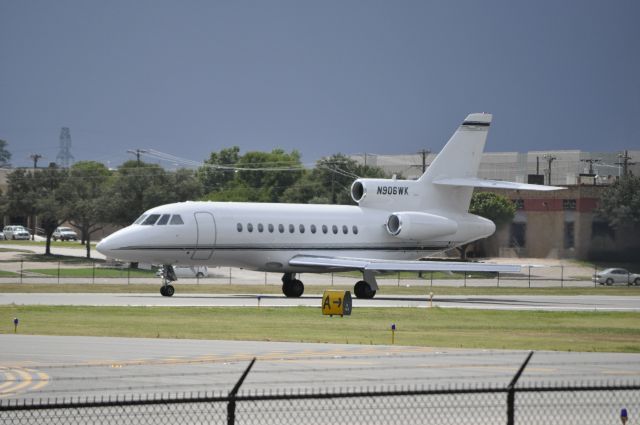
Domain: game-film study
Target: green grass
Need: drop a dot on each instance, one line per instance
(564, 331)
(7, 274)
(89, 272)
(193, 288)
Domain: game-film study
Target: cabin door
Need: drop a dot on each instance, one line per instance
(206, 239)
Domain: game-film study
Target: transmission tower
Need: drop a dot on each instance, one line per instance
(64, 158)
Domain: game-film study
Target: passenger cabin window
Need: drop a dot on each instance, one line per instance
(163, 220)
(301, 228)
(150, 221)
(355, 230)
(281, 228)
(140, 219)
(324, 229)
(239, 227)
(250, 227)
(313, 228)
(270, 228)
(292, 228)
(334, 229)
(345, 229)
(260, 227)
(176, 219)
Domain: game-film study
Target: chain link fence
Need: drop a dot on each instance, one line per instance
(531, 405)
(95, 272)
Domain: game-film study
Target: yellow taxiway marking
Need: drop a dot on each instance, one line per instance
(17, 380)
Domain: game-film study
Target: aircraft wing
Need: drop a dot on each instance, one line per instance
(397, 265)
(493, 184)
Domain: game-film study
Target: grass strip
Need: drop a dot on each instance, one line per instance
(563, 331)
(193, 288)
(100, 272)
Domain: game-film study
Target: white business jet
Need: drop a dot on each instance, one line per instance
(395, 223)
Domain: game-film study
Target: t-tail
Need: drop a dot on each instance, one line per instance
(459, 159)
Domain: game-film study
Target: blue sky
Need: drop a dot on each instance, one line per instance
(386, 77)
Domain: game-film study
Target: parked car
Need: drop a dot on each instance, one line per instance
(64, 234)
(612, 276)
(16, 233)
(2, 237)
(189, 271)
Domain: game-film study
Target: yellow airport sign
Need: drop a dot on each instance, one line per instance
(336, 302)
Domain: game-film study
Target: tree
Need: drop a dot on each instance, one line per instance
(620, 203)
(135, 188)
(86, 186)
(5, 155)
(216, 171)
(330, 181)
(497, 208)
(53, 203)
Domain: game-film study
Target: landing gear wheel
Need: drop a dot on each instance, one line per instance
(363, 290)
(292, 288)
(167, 290)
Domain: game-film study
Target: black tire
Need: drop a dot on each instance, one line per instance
(292, 288)
(162, 288)
(169, 291)
(363, 290)
(609, 282)
(637, 281)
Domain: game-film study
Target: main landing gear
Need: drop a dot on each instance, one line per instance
(168, 276)
(294, 288)
(291, 287)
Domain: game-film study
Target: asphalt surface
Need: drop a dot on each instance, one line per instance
(36, 367)
(497, 302)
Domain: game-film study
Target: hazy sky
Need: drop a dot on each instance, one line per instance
(325, 76)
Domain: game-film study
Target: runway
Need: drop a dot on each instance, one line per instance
(496, 302)
(34, 367)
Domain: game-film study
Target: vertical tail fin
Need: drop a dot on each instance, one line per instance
(460, 158)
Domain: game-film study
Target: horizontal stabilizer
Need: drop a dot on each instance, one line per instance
(493, 184)
(347, 263)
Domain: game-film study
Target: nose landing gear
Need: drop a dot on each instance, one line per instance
(168, 276)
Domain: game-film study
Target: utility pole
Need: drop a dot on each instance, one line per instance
(624, 161)
(137, 153)
(550, 158)
(590, 161)
(424, 153)
(35, 157)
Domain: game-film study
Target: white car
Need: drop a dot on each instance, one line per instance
(2, 236)
(611, 276)
(16, 233)
(189, 271)
(64, 234)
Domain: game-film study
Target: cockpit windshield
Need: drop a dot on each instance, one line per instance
(151, 219)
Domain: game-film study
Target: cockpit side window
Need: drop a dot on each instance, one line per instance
(140, 219)
(150, 221)
(176, 219)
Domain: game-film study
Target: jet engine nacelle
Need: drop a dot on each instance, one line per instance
(419, 225)
(385, 193)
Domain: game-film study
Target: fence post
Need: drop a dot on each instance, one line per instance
(529, 276)
(465, 279)
(231, 407)
(431, 278)
(93, 272)
(21, 269)
(561, 276)
(58, 271)
(398, 279)
(595, 272)
(511, 391)
(229, 275)
(498, 279)
(331, 278)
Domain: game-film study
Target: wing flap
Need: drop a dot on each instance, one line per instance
(396, 265)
